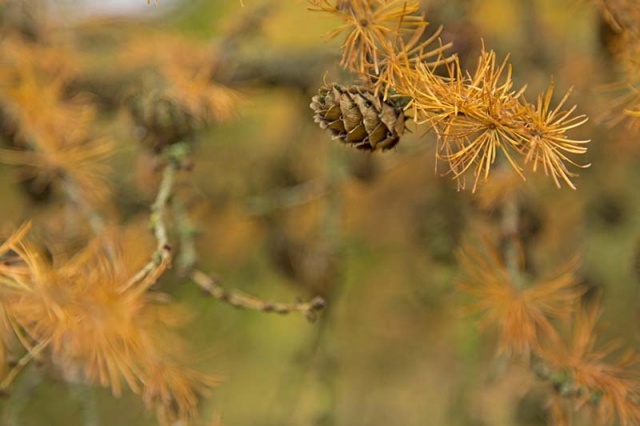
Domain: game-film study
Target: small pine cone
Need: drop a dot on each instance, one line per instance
(359, 117)
(165, 122)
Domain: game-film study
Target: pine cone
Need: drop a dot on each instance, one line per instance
(165, 122)
(358, 117)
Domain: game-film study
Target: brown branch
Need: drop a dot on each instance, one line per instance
(298, 70)
(245, 301)
(512, 248)
(161, 258)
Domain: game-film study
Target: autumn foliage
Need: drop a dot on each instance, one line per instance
(87, 293)
(481, 122)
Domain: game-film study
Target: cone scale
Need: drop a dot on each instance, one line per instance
(358, 117)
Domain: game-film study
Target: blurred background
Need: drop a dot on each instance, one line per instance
(284, 212)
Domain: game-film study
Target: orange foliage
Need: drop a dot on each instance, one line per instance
(583, 373)
(54, 137)
(97, 327)
(522, 314)
(477, 117)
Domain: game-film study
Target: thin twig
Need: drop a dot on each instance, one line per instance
(161, 258)
(245, 301)
(187, 231)
(94, 218)
(314, 189)
(512, 249)
(322, 353)
(15, 371)
(286, 198)
(158, 208)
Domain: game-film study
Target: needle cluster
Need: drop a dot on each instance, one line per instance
(52, 138)
(478, 117)
(95, 326)
(94, 315)
(527, 315)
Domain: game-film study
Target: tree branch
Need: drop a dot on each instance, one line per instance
(245, 301)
